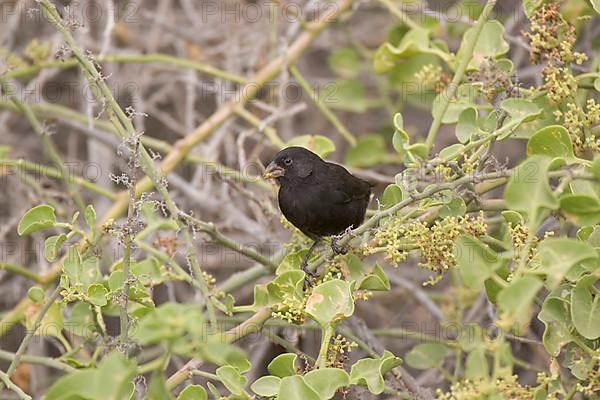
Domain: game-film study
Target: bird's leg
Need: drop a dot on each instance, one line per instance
(335, 246)
(304, 263)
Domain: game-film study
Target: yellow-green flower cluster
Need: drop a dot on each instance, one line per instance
(340, 347)
(559, 83)
(580, 122)
(332, 271)
(434, 243)
(291, 310)
(591, 386)
(520, 235)
(552, 40)
(432, 77)
(209, 279)
(504, 388)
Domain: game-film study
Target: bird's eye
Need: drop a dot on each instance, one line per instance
(287, 161)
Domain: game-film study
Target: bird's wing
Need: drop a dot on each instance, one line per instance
(344, 186)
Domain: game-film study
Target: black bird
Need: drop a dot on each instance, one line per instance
(318, 197)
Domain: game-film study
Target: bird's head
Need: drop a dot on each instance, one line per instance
(291, 164)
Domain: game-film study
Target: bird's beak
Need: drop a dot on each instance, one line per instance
(273, 171)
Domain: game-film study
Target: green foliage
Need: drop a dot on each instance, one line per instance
(37, 219)
(93, 384)
(426, 355)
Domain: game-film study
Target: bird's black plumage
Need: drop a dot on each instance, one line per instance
(318, 197)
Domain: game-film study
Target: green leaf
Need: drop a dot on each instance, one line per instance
(476, 365)
(216, 395)
(283, 365)
(595, 167)
(450, 152)
(52, 322)
(97, 295)
(413, 43)
(369, 151)
(553, 141)
(72, 266)
(529, 6)
(321, 145)
(466, 126)
(581, 209)
(463, 101)
(391, 195)
(520, 111)
(558, 255)
(453, 208)
(266, 386)
(93, 383)
(295, 388)
(90, 217)
(557, 321)
(512, 217)
(369, 372)
(585, 307)
(476, 261)
(37, 219)
(492, 288)
(516, 300)
(426, 355)
(289, 283)
(398, 121)
(82, 322)
(345, 95)
(330, 302)
(579, 362)
(345, 62)
(193, 392)
(157, 389)
(376, 280)
(490, 43)
(232, 379)
(401, 143)
(36, 294)
(326, 381)
(529, 191)
(52, 245)
(148, 271)
(214, 350)
(354, 266)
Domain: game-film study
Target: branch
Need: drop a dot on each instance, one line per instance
(458, 75)
(251, 325)
(36, 325)
(182, 147)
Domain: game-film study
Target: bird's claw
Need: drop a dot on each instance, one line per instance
(336, 247)
(310, 276)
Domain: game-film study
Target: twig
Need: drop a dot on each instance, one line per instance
(36, 325)
(315, 97)
(209, 228)
(458, 75)
(182, 147)
(17, 269)
(45, 361)
(251, 325)
(48, 146)
(130, 58)
(52, 172)
(10, 385)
